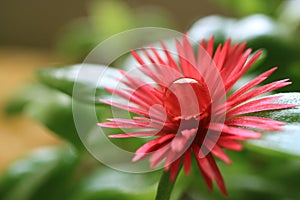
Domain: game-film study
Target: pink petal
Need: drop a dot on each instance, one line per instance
(158, 57)
(118, 125)
(134, 134)
(255, 122)
(151, 145)
(251, 84)
(187, 157)
(230, 144)
(217, 55)
(223, 53)
(261, 90)
(237, 75)
(178, 144)
(209, 47)
(174, 169)
(148, 56)
(124, 107)
(257, 105)
(189, 56)
(132, 97)
(158, 156)
(235, 131)
(218, 152)
(217, 175)
(171, 61)
(204, 168)
(138, 85)
(137, 57)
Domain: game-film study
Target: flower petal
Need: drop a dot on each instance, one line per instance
(255, 122)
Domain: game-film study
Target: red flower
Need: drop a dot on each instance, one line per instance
(186, 110)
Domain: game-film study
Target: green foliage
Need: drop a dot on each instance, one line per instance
(289, 116)
(110, 184)
(44, 174)
(285, 141)
(52, 173)
(290, 15)
(81, 81)
(55, 113)
(106, 18)
(243, 8)
(52, 109)
(165, 187)
(25, 96)
(77, 40)
(113, 16)
(252, 175)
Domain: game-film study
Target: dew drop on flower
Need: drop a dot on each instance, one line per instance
(185, 98)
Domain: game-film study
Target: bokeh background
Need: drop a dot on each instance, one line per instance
(37, 34)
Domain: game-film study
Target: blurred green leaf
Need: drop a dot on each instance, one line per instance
(53, 109)
(165, 187)
(77, 39)
(289, 15)
(243, 8)
(110, 184)
(84, 82)
(44, 174)
(252, 175)
(153, 16)
(55, 112)
(22, 97)
(106, 18)
(287, 140)
(111, 17)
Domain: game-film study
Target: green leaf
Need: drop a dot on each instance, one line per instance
(289, 15)
(84, 82)
(287, 140)
(288, 116)
(165, 187)
(120, 17)
(108, 184)
(181, 185)
(77, 39)
(41, 175)
(243, 8)
(252, 175)
(32, 92)
(54, 111)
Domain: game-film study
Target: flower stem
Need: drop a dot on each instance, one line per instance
(165, 187)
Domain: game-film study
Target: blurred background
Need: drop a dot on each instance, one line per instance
(39, 34)
(39, 23)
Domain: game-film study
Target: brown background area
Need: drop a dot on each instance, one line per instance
(38, 22)
(20, 134)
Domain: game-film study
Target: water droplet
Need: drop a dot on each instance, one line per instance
(186, 98)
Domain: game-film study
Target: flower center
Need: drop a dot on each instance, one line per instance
(186, 98)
